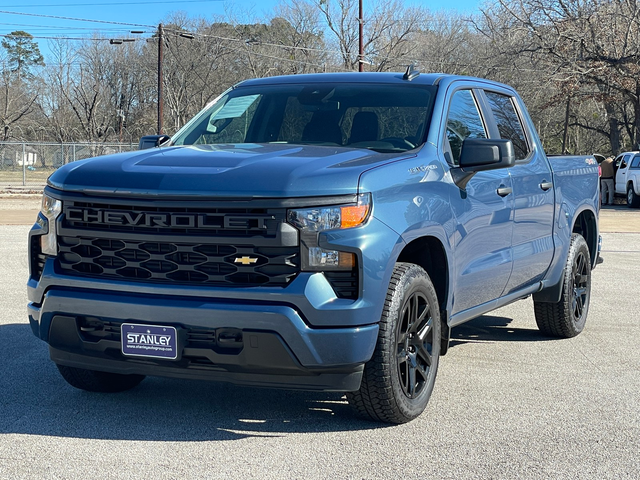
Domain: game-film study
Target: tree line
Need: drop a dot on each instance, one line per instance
(576, 63)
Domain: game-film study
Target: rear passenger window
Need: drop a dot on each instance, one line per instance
(636, 162)
(509, 124)
(463, 122)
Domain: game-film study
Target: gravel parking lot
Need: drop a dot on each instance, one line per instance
(508, 403)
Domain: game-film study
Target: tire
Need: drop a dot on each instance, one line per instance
(398, 380)
(633, 200)
(567, 318)
(95, 381)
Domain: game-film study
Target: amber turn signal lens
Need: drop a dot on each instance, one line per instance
(346, 260)
(354, 215)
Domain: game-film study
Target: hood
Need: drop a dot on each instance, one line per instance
(246, 170)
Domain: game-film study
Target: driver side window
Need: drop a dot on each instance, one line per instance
(463, 121)
(624, 162)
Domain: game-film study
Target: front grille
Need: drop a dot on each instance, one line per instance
(166, 262)
(183, 242)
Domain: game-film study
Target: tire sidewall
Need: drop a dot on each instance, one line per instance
(578, 246)
(415, 279)
(633, 201)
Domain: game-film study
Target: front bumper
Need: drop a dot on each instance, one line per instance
(275, 346)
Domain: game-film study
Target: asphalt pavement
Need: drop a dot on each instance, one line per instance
(508, 403)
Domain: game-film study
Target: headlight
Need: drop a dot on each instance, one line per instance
(329, 218)
(50, 209)
(311, 221)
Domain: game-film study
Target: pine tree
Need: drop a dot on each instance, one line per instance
(22, 52)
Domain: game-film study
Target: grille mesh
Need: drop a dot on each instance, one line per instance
(178, 262)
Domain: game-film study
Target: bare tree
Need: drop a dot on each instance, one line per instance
(591, 45)
(389, 31)
(16, 102)
(299, 36)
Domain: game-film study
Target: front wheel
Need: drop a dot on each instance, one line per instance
(398, 380)
(633, 200)
(567, 317)
(95, 381)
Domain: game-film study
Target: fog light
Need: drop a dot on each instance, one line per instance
(330, 259)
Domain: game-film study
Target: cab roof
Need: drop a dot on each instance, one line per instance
(349, 77)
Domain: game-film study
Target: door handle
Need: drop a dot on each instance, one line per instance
(504, 191)
(546, 185)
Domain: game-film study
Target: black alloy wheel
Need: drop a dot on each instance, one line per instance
(580, 272)
(415, 345)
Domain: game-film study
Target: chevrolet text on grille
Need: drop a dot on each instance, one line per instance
(169, 220)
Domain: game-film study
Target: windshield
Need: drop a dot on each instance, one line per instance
(384, 118)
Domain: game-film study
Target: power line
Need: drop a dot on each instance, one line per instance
(91, 39)
(32, 26)
(240, 40)
(105, 4)
(77, 19)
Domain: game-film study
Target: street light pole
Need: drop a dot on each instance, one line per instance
(119, 41)
(361, 49)
(160, 98)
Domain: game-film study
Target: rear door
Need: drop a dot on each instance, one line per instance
(533, 193)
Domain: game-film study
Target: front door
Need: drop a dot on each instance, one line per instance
(622, 166)
(483, 213)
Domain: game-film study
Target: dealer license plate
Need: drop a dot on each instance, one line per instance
(149, 341)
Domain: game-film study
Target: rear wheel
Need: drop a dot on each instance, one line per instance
(398, 380)
(567, 317)
(95, 381)
(633, 200)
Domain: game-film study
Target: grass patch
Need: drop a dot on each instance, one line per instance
(15, 177)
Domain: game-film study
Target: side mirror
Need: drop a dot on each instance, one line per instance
(151, 141)
(479, 154)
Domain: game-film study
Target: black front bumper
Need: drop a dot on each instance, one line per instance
(256, 358)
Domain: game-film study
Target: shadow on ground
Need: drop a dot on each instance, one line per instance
(488, 328)
(35, 400)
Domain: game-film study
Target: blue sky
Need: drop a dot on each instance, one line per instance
(47, 21)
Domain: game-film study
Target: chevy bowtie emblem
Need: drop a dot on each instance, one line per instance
(245, 260)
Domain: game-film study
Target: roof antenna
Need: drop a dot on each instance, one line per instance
(411, 73)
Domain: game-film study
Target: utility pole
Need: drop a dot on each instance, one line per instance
(361, 49)
(160, 98)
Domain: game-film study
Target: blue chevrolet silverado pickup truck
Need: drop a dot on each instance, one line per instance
(313, 232)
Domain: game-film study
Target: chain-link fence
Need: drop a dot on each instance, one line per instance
(31, 163)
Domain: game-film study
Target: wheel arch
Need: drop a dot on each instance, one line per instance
(586, 225)
(429, 253)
